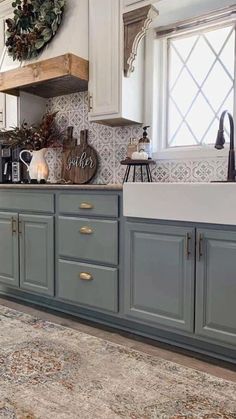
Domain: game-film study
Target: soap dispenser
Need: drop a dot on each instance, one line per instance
(144, 142)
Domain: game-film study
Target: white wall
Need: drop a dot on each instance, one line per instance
(171, 11)
(72, 36)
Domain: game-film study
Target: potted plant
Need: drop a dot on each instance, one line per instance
(36, 140)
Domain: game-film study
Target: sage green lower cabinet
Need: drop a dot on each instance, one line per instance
(216, 285)
(170, 281)
(88, 239)
(86, 284)
(9, 253)
(36, 234)
(159, 277)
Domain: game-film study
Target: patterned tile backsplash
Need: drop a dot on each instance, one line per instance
(111, 145)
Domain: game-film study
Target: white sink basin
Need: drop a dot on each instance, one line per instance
(198, 202)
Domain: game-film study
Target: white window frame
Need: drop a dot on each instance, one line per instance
(160, 109)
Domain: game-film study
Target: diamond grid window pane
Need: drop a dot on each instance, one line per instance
(199, 126)
(175, 67)
(184, 91)
(200, 85)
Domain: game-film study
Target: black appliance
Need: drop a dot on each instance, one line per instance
(10, 165)
(5, 164)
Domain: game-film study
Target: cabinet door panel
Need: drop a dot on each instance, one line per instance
(99, 292)
(159, 276)
(37, 253)
(100, 245)
(216, 286)
(9, 269)
(104, 85)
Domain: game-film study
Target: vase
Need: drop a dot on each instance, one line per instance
(53, 158)
(38, 167)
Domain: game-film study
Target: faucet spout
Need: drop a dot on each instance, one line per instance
(220, 141)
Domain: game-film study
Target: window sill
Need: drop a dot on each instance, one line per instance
(190, 153)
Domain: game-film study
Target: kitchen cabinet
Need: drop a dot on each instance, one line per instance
(36, 234)
(216, 285)
(114, 98)
(129, 5)
(172, 281)
(164, 264)
(9, 251)
(159, 275)
(88, 250)
(87, 284)
(27, 241)
(104, 58)
(88, 239)
(132, 2)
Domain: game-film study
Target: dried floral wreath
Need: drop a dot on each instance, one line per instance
(34, 24)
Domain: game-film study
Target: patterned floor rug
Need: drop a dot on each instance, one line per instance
(48, 371)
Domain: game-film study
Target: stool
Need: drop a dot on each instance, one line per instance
(143, 164)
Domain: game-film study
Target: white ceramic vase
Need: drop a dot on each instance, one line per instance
(38, 167)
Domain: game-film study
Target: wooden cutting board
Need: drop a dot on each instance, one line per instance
(80, 163)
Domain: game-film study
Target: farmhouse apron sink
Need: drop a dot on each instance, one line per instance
(195, 202)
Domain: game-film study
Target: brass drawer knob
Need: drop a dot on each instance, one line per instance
(86, 206)
(86, 230)
(85, 276)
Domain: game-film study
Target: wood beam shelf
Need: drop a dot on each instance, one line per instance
(48, 78)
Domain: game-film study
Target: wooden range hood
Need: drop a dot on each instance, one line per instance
(57, 76)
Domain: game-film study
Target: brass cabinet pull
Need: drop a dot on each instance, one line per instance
(187, 245)
(20, 226)
(86, 205)
(85, 276)
(13, 225)
(86, 230)
(200, 246)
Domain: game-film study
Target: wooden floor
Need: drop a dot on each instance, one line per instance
(167, 352)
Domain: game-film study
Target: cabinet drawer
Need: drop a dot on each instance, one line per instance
(89, 204)
(89, 239)
(95, 286)
(38, 202)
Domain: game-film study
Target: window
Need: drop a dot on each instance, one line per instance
(198, 84)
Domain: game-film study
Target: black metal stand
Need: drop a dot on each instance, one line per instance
(144, 166)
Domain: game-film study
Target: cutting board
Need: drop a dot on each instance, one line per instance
(80, 163)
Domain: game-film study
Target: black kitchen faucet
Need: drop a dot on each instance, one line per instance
(220, 141)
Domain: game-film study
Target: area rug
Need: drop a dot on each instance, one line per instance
(48, 371)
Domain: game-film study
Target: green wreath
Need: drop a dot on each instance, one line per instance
(34, 24)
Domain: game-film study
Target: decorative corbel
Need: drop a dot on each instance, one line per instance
(136, 24)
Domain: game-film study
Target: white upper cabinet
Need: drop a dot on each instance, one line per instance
(114, 98)
(105, 57)
(129, 5)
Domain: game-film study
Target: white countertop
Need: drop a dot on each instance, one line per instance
(213, 203)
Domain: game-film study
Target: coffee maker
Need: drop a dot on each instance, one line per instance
(10, 165)
(5, 164)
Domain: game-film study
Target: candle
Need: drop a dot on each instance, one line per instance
(42, 172)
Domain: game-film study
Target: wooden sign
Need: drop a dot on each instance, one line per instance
(80, 163)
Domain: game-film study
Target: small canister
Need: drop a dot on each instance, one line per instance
(132, 147)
